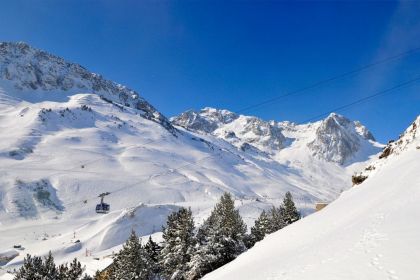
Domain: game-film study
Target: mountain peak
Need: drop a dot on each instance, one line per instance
(31, 72)
(338, 139)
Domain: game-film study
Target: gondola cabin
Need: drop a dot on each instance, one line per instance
(102, 208)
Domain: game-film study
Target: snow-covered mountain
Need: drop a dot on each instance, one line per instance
(369, 232)
(38, 75)
(334, 139)
(68, 135)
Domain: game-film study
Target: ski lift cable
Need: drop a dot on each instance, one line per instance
(331, 79)
(130, 185)
(365, 99)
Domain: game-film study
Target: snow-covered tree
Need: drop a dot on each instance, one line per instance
(132, 262)
(49, 270)
(62, 271)
(178, 245)
(86, 277)
(221, 239)
(75, 270)
(261, 227)
(290, 213)
(153, 250)
(276, 218)
(35, 268)
(31, 269)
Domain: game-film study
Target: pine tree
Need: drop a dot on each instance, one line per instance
(221, 239)
(35, 269)
(261, 228)
(178, 245)
(290, 214)
(62, 271)
(153, 250)
(49, 270)
(132, 262)
(27, 270)
(86, 277)
(276, 219)
(75, 270)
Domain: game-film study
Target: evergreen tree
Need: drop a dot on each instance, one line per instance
(221, 239)
(153, 250)
(62, 271)
(290, 214)
(75, 270)
(86, 277)
(132, 262)
(178, 244)
(276, 219)
(49, 270)
(28, 270)
(261, 227)
(34, 268)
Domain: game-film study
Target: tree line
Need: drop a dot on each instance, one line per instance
(188, 253)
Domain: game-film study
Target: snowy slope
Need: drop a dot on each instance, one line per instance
(369, 232)
(68, 135)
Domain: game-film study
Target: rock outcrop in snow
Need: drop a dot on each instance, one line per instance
(392, 149)
(30, 69)
(242, 131)
(338, 139)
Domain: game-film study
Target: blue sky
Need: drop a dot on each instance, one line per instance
(188, 55)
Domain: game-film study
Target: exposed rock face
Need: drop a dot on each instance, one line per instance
(206, 120)
(337, 139)
(30, 69)
(363, 131)
(261, 134)
(393, 148)
(405, 139)
(233, 128)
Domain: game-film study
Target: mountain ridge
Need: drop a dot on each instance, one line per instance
(336, 139)
(28, 68)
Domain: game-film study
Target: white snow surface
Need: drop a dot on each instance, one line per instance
(68, 135)
(369, 232)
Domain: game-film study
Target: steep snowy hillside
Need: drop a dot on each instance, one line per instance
(69, 135)
(38, 75)
(369, 232)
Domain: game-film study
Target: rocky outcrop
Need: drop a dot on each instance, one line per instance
(338, 139)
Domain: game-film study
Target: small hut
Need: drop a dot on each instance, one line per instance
(320, 205)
